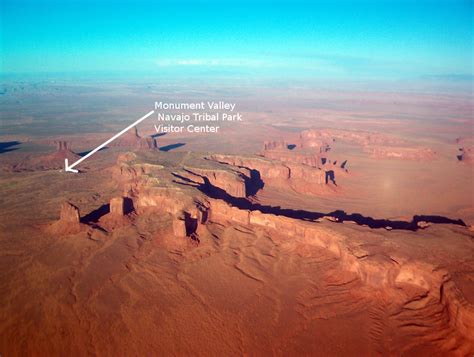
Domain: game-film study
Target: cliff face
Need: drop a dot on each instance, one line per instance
(299, 177)
(428, 291)
(309, 159)
(233, 182)
(309, 150)
(268, 169)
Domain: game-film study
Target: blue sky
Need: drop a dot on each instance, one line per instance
(326, 39)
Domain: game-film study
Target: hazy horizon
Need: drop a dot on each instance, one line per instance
(364, 40)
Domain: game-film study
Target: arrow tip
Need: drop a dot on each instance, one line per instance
(67, 168)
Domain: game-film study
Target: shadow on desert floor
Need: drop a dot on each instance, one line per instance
(337, 215)
(84, 153)
(171, 147)
(95, 215)
(8, 146)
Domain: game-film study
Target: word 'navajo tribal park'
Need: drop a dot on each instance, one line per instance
(200, 178)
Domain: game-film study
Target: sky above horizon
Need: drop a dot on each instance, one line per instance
(324, 39)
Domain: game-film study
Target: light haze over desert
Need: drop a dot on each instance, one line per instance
(318, 200)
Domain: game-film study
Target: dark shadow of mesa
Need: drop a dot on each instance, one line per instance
(84, 153)
(339, 215)
(8, 146)
(171, 147)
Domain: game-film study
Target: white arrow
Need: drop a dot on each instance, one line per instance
(68, 168)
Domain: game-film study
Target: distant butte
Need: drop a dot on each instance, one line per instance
(53, 161)
(132, 139)
(466, 150)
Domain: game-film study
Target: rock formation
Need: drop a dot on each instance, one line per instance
(233, 182)
(69, 214)
(466, 149)
(132, 139)
(275, 145)
(309, 163)
(301, 178)
(120, 214)
(63, 151)
(69, 220)
(117, 206)
(310, 159)
(52, 161)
